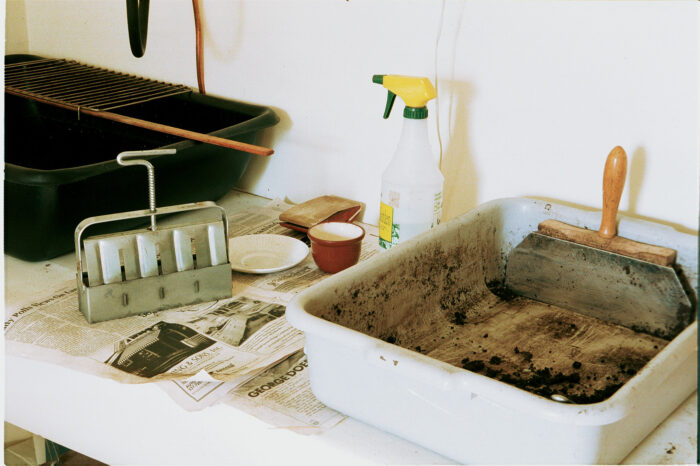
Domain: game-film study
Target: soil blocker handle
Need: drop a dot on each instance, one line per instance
(613, 184)
(121, 160)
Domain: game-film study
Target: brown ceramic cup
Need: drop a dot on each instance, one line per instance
(335, 246)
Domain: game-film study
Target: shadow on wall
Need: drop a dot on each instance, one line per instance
(223, 31)
(678, 227)
(460, 188)
(635, 176)
(636, 169)
(270, 136)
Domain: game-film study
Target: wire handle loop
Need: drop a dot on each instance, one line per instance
(121, 160)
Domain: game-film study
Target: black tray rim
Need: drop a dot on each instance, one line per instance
(261, 117)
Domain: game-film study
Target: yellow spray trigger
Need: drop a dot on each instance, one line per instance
(415, 91)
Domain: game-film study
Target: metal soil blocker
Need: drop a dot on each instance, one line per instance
(151, 269)
(600, 274)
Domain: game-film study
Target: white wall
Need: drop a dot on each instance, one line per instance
(532, 95)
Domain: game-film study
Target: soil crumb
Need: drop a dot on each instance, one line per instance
(459, 318)
(474, 366)
(498, 287)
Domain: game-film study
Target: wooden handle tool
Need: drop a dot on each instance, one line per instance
(601, 274)
(606, 238)
(613, 184)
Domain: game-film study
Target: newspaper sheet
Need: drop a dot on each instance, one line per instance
(293, 405)
(260, 220)
(240, 350)
(227, 340)
(282, 397)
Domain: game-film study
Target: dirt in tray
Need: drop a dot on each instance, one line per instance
(441, 310)
(548, 350)
(540, 348)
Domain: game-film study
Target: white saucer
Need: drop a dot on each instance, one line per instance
(265, 253)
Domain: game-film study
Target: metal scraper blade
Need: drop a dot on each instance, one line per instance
(618, 289)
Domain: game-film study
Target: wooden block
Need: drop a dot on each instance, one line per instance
(320, 209)
(623, 246)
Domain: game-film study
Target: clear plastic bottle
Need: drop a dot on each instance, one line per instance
(411, 192)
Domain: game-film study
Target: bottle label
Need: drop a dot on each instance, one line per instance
(387, 228)
(437, 209)
(399, 224)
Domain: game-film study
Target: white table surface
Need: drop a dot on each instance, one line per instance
(140, 424)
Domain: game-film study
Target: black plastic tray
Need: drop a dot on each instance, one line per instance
(61, 168)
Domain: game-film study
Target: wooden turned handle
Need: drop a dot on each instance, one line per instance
(613, 184)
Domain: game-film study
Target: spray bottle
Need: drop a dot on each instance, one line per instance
(411, 197)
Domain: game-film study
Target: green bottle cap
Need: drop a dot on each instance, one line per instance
(415, 113)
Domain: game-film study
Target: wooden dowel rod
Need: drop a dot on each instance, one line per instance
(183, 133)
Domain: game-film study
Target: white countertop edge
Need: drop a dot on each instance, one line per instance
(140, 424)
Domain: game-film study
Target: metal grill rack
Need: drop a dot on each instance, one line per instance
(96, 91)
(70, 84)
